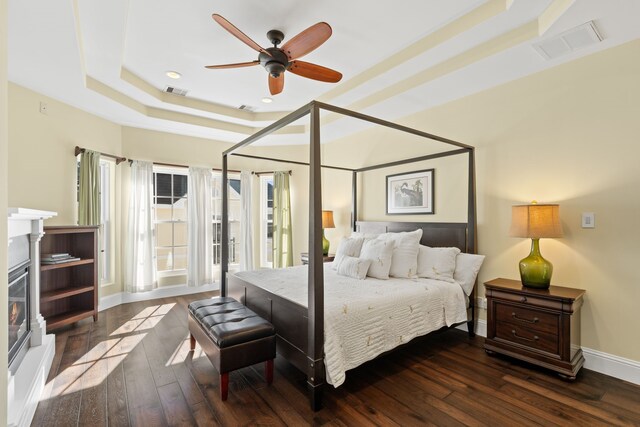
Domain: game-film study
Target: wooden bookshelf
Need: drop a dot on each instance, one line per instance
(69, 291)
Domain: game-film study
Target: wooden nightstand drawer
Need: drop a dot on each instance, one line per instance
(527, 337)
(530, 318)
(528, 300)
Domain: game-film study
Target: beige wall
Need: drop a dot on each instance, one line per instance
(42, 173)
(568, 135)
(4, 339)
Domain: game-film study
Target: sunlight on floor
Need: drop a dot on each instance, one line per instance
(181, 353)
(93, 367)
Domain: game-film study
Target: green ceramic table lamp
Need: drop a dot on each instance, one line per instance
(536, 221)
(327, 222)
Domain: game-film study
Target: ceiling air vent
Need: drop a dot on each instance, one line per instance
(247, 107)
(569, 41)
(176, 90)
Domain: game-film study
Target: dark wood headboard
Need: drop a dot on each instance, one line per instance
(435, 234)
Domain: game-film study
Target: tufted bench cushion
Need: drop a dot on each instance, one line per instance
(232, 336)
(228, 322)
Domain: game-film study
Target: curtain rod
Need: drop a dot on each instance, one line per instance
(118, 159)
(269, 172)
(173, 165)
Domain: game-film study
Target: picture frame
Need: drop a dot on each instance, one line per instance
(410, 193)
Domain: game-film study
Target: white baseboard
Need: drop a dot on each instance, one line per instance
(163, 292)
(604, 363)
(614, 366)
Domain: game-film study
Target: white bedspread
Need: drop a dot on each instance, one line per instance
(364, 318)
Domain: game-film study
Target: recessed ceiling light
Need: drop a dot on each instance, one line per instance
(173, 74)
(267, 100)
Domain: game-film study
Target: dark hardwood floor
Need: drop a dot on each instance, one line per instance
(133, 367)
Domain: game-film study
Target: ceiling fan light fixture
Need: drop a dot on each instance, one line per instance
(275, 68)
(267, 100)
(173, 74)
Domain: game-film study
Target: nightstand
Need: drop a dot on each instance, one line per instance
(538, 326)
(304, 257)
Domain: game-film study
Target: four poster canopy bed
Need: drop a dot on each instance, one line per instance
(327, 323)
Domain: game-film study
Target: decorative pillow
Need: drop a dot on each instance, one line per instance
(356, 268)
(380, 253)
(366, 236)
(467, 268)
(437, 263)
(404, 262)
(349, 246)
(402, 235)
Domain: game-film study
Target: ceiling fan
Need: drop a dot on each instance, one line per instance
(276, 60)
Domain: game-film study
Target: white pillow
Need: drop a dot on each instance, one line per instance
(415, 235)
(404, 262)
(380, 253)
(437, 263)
(354, 267)
(366, 236)
(349, 246)
(467, 268)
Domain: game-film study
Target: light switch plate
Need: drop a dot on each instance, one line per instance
(588, 220)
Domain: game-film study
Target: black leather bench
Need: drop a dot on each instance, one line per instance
(232, 336)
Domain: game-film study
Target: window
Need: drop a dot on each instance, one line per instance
(105, 264)
(234, 219)
(266, 221)
(170, 200)
(106, 232)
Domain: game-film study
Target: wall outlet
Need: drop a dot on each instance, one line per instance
(481, 303)
(588, 220)
(43, 107)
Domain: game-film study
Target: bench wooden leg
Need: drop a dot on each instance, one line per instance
(224, 385)
(268, 371)
(192, 342)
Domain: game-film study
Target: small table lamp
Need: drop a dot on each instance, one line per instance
(327, 222)
(535, 222)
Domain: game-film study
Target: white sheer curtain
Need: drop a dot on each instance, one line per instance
(139, 254)
(200, 227)
(246, 230)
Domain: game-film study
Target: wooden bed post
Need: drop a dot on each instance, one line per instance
(472, 237)
(354, 200)
(315, 349)
(224, 261)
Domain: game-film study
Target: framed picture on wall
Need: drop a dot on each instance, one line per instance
(410, 193)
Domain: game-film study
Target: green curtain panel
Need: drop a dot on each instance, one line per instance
(282, 240)
(89, 197)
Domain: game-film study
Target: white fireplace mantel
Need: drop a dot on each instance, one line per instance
(27, 384)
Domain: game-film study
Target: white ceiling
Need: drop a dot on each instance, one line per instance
(110, 57)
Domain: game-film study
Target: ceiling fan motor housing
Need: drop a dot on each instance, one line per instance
(275, 64)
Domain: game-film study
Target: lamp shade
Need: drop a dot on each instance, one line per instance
(535, 221)
(327, 219)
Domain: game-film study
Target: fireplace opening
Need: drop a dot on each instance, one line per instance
(19, 326)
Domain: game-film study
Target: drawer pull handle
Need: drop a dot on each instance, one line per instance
(535, 319)
(523, 299)
(535, 337)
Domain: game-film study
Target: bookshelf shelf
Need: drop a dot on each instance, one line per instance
(64, 292)
(45, 267)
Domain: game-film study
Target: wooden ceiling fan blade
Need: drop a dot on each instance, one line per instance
(276, 84)
(308, 40)
(237, 65)
(237, 33)
(315, 72)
